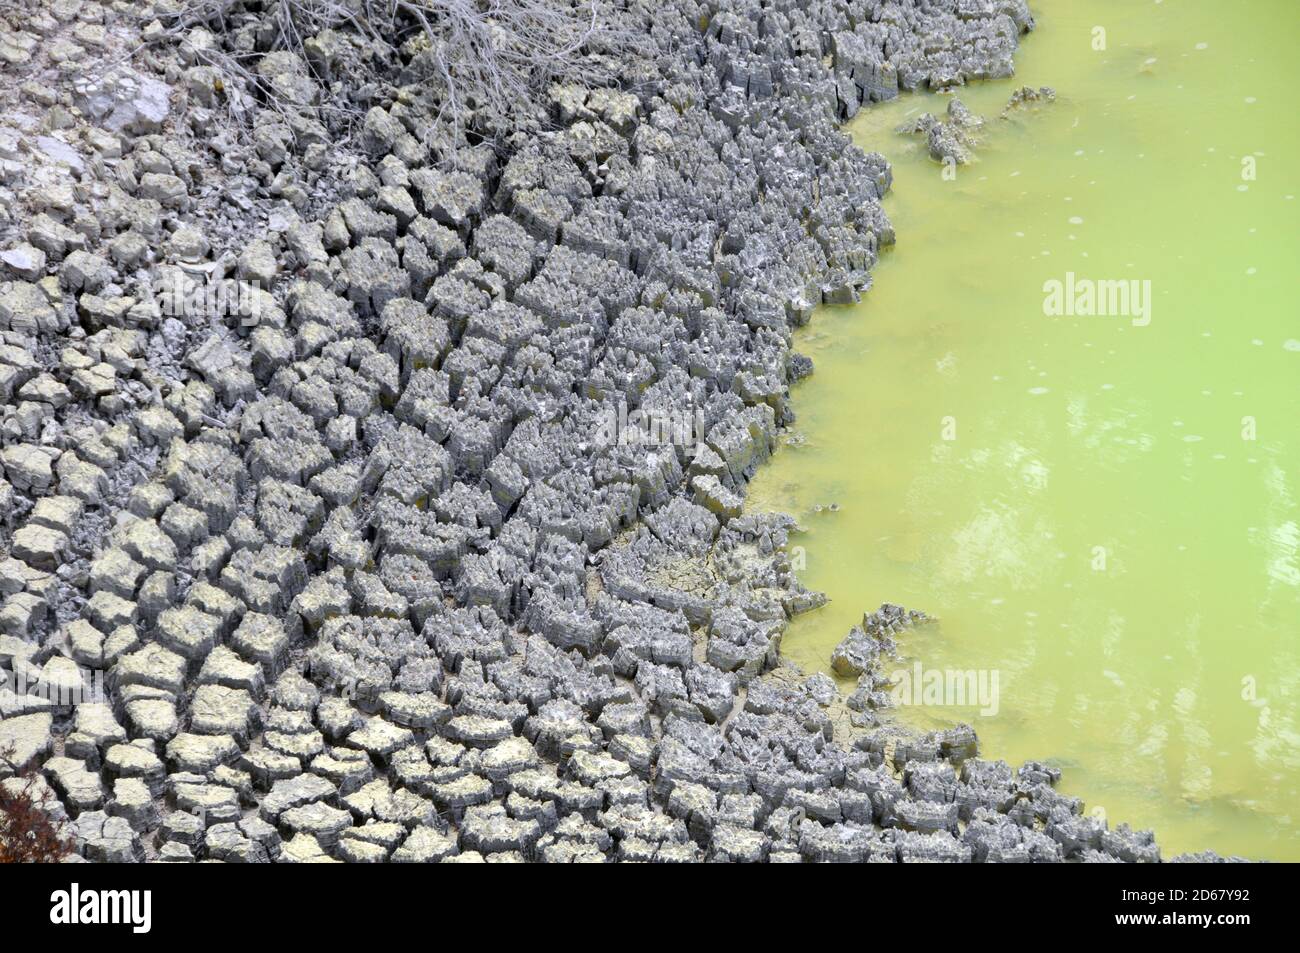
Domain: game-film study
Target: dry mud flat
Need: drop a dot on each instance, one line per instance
(349, 563)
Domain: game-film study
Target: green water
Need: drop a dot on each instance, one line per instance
(1101, 512)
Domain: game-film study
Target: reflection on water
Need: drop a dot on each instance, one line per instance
(1101, 511)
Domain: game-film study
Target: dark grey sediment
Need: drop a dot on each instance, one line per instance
(380, 576)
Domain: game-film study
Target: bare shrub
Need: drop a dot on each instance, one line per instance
(28, 833)
(483, 56)
(500, 54)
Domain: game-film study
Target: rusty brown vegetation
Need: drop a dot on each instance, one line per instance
(28, 833)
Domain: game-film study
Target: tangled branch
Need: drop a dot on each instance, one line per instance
(28, 834)
(492, 57)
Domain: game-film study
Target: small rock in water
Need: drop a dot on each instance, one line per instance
(1027, 96)
(947, 139)
(866, 642)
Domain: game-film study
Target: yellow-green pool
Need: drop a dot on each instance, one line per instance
(1101, 508)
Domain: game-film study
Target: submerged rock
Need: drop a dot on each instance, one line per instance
(1027, 96)
(950, 139)
(858, 652)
